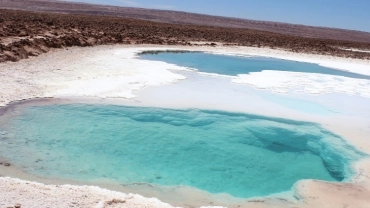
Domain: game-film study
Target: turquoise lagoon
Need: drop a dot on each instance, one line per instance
(234, 65)
(219, 152)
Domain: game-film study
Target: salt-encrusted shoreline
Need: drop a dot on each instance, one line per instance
(111, 72)
(32, 194)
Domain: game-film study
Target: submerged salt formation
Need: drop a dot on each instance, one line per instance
(219, 152)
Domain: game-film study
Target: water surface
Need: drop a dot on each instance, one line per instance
(234, 65)
(219, 152)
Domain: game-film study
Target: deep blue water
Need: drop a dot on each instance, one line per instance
(220, 152)
(234, 65)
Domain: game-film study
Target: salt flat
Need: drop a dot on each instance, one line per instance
(112, 72)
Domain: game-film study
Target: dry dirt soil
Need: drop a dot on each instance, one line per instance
(27, 33)
(185, 18)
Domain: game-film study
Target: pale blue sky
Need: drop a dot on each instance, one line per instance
(348, 14)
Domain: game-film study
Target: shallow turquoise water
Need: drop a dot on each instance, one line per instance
(220, 152)
(234, 65)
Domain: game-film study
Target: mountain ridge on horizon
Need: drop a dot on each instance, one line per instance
(181, 17)
(210, 15)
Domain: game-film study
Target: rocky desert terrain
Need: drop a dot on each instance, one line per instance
(30, 33)
(177, 17)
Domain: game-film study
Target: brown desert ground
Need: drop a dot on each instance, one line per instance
(177, 17)
(29, 33)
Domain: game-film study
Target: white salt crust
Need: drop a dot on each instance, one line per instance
(112, 72)
(283, 82)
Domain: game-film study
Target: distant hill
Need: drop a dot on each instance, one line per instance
(186, 18)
